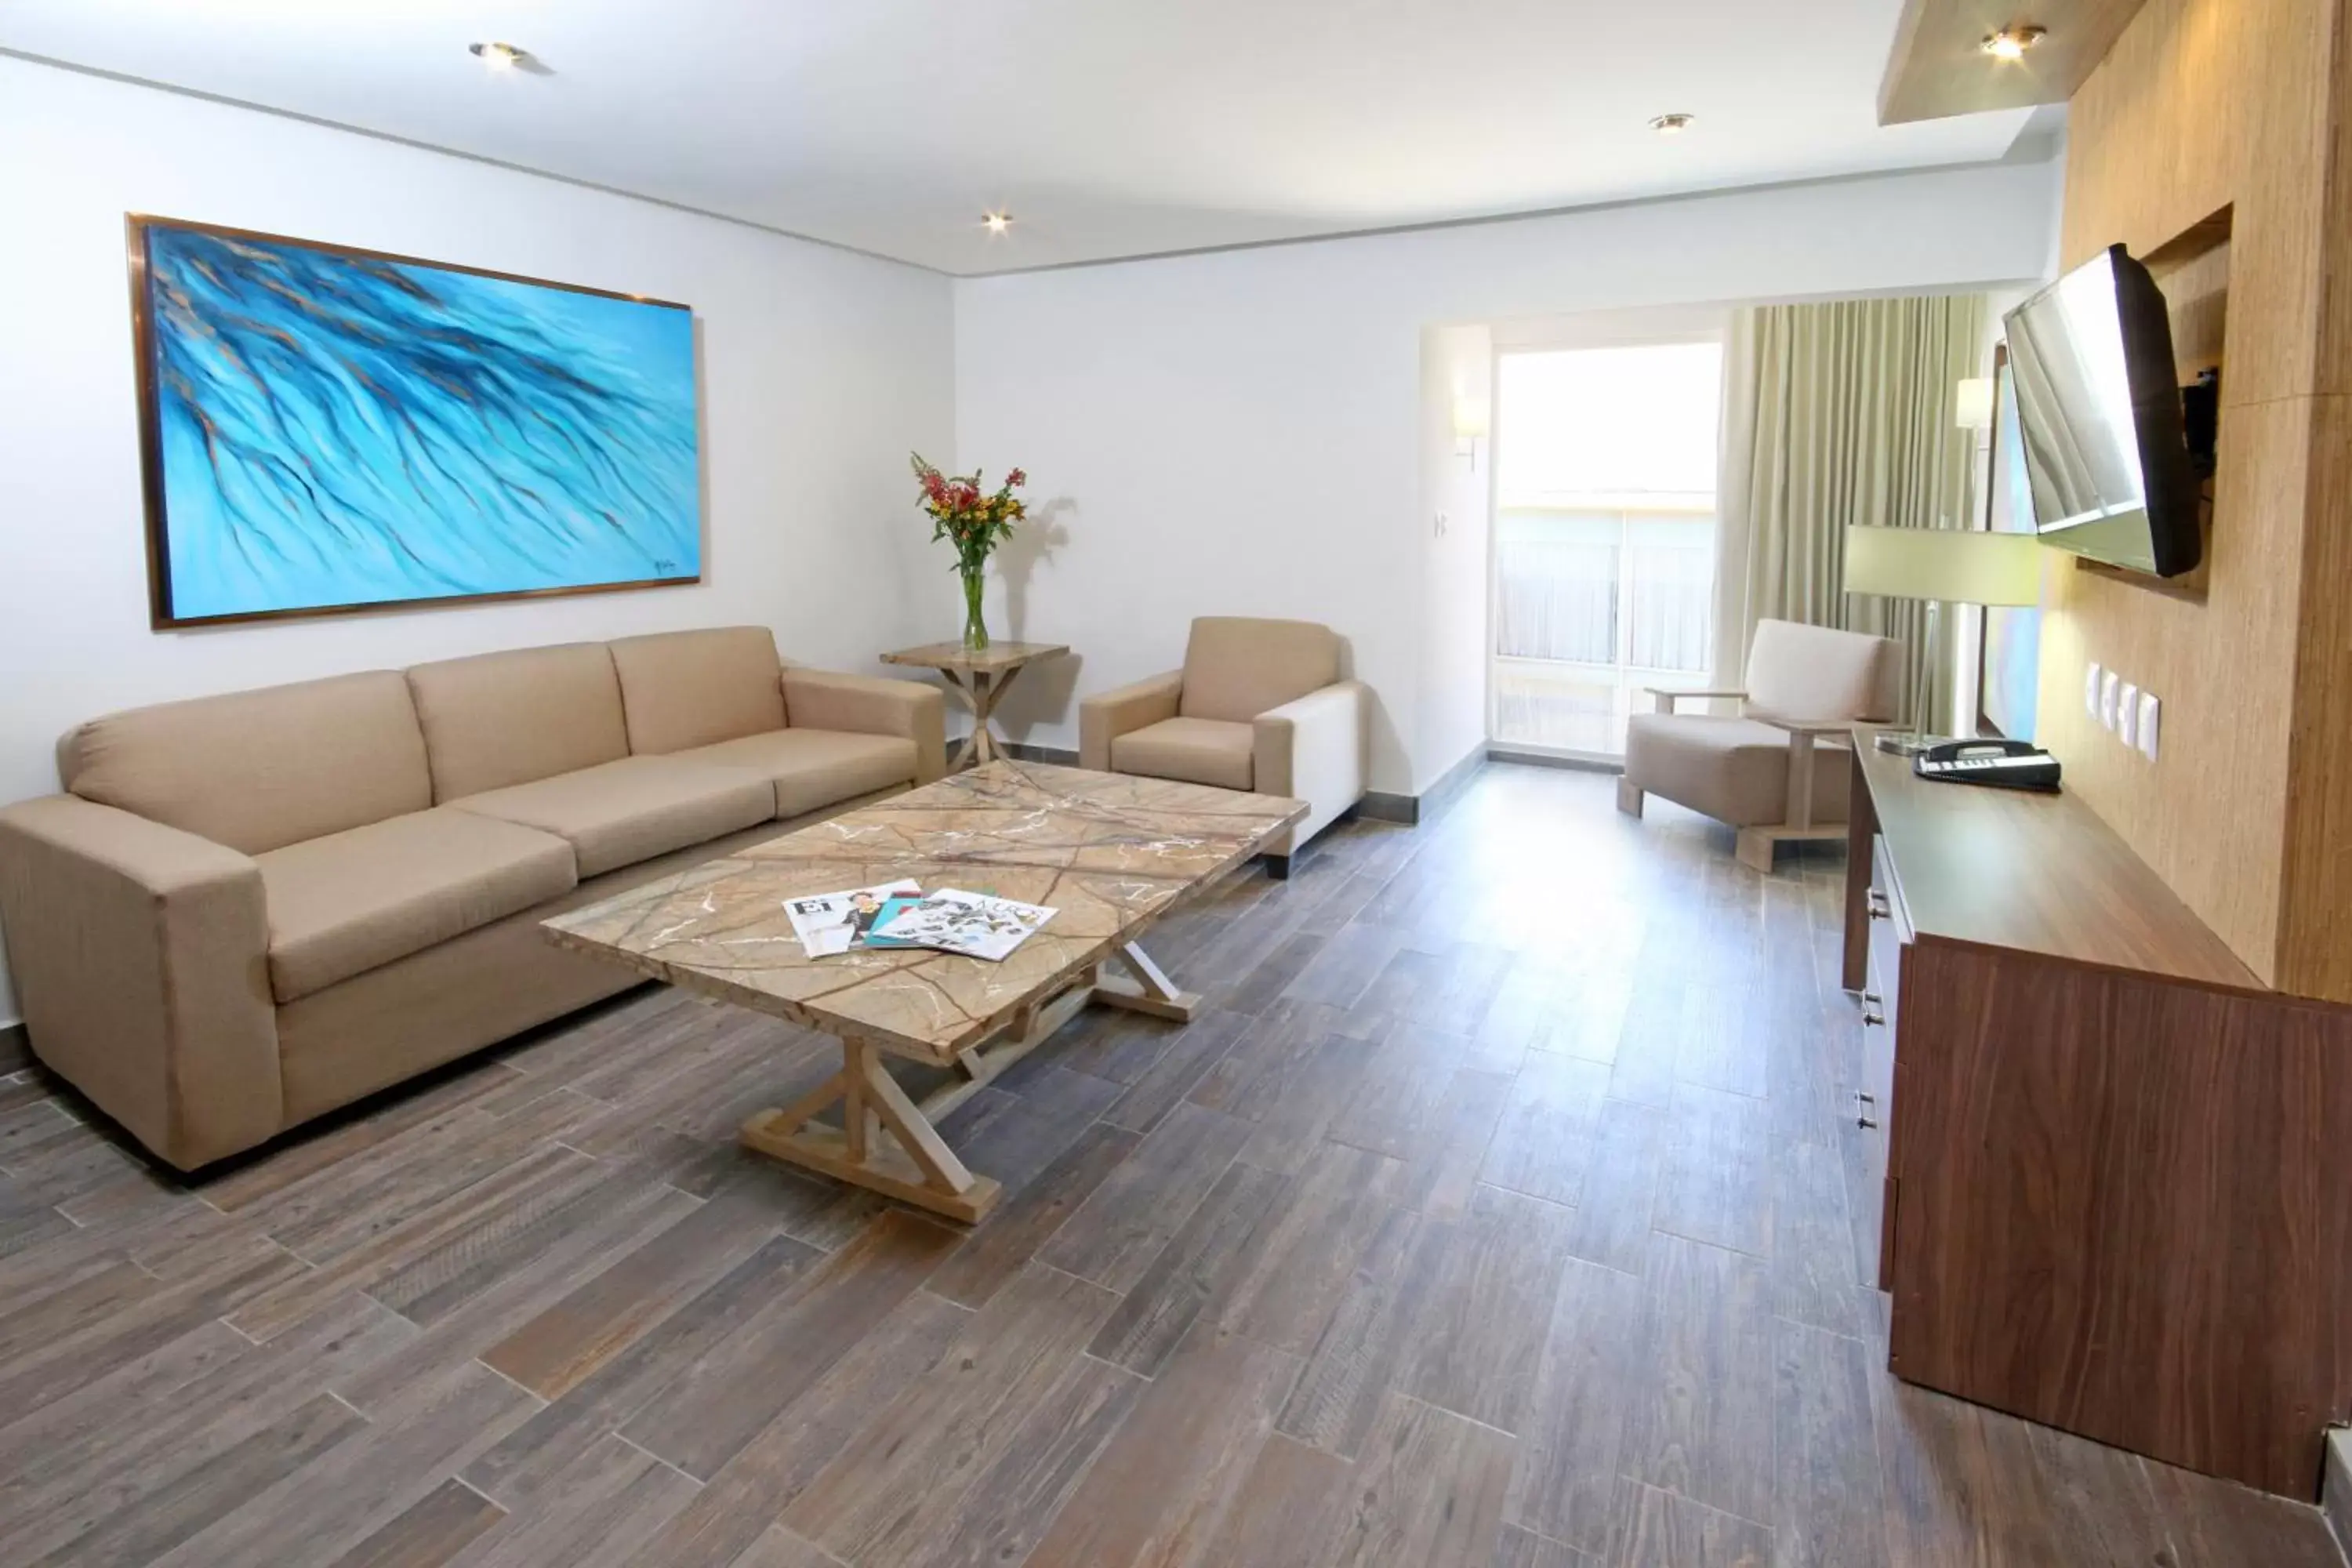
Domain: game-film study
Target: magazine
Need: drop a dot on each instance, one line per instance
(828, 923)
(890, 910)
(973, 924)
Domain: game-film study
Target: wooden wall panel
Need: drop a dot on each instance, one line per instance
(2202, 105)
(2315, 900)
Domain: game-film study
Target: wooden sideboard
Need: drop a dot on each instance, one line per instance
(2113, 1185)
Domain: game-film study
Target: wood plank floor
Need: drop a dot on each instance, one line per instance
(1495, 1214)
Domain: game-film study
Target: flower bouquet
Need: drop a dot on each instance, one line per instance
(975, 521)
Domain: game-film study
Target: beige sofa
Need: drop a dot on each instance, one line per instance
(250, 909)
(1259, 705)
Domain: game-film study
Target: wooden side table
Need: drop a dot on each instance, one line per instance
(979, 677)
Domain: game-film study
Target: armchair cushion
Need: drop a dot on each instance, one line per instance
(341, 905)
(812, 769)
(1236, 667)
(1818, 672)
(1106, 716)
(618, 813)
(1196, 750)
(1733, 769)
(683, 690)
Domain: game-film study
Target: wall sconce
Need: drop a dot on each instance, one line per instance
(1470, 422)
(1972, 405)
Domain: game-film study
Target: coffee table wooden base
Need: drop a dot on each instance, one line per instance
(890, 1143)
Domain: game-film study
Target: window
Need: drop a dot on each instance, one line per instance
(1604, 538)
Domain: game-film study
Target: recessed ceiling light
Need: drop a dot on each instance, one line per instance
(498, 56)
(1670, 124)
(996, 223)
(2011, 43)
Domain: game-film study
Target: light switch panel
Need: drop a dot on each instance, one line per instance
(2148, 711)
(2128, 714)
(2110, 690)
(2091, 690)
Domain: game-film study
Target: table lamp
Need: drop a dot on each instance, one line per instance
(1968, 566)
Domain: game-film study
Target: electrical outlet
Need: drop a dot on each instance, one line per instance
(2110, 690)
(2128, 714)
(2091, 689)
(2148, 712)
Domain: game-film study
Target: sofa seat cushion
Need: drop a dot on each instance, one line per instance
(617, 814)
(1733, 770)
(812, 768)
(351, 902)
(1196, 750)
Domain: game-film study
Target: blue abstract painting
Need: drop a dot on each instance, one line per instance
(329, 429)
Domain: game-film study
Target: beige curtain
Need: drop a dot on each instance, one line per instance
(1837, 414)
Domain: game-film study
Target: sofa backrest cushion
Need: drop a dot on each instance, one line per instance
(1822, 674)
(259, 769)
(1235, 668)
(682, 689)
(512, 718)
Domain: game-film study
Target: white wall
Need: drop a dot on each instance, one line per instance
(1457, 528)
(1239, 433)
(820, 368)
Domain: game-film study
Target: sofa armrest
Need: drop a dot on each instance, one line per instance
(142, 956)
(1312, 749)
(1106, 715)
(871, 705)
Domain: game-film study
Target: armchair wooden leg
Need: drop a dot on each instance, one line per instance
(1755, 849)
(1629, 799)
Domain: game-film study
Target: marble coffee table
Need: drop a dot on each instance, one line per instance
(1113, 854)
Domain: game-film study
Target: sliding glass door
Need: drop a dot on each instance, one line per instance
(1604, 540)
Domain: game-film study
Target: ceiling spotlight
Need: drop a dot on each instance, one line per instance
(996, 223)
(498, 56)
(1670, 124)
(2011, 43)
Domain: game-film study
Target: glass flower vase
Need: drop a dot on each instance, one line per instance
(975, 622)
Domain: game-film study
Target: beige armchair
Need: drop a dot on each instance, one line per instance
(1763, 772)
(1259, 705)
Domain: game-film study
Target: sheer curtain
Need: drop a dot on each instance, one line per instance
(1835, 414)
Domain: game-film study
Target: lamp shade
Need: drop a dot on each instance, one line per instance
(1973, 404)
(1967, 566)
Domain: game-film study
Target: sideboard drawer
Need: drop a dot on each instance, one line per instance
(1874, 1097)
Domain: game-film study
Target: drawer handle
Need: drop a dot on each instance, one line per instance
(1879, 911)
(1871, 1020)
(1860, 1116)
(1871, 999)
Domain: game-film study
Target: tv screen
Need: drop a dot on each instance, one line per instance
(2098, 404)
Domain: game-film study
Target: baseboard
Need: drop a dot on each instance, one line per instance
(1439, 796)
(1380, 807)
(15, 1049)
(1544, 760)
(1060, 756)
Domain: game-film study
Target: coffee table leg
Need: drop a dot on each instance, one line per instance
(885, 1142)
(1148, 990)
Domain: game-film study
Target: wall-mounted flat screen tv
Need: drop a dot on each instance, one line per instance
(2098, 403)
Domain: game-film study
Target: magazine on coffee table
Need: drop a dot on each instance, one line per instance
(828, 923)
(973, 924)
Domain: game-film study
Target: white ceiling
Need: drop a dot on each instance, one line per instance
(1107, 127)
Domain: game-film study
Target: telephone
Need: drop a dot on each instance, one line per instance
(2011, 765)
